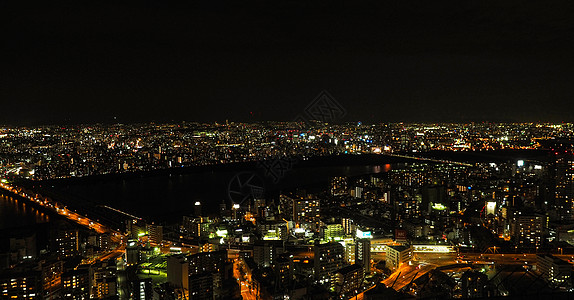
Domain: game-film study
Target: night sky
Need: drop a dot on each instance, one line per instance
(211, 60)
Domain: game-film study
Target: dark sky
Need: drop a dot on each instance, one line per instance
(209, 60)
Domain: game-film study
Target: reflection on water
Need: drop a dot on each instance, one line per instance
(16, 213)
(170, 197)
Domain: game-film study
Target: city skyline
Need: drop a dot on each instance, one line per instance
(287, 149)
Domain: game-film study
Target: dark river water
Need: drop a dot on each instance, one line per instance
(17, 213)
(163, 197)
(167, 197)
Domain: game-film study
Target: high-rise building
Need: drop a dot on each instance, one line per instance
(207, 262)
(329, 257)
(283, 267)
(333, 232)
(142, 289)
(67, 242)
(347, 280)
(306, 213)
(103, 277)
(20, 285)
(197, 209)
(265, 252)
(51, 272)
(155, 233)
(564, 189)
(178, 271)
(347, 226)
(132, 253)
(363, 254)
(76, 284)
(197, 227)
(527, 229)
(204, 286)
(350, 248)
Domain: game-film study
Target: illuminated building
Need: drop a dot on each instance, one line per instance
(24, 246)
(103, 280)
(329, 257)
(197, 209)
(207, 262)
(265, 252)
(564, 189)
(272, 230)
(306, 213)
(135, 228)
(347, 280)
(51, 278)
(348, 227)
(20, 285)
(527, 229)
(434, 198)
(76, 284)
(105, 287)
(338, 186)
(350, 248)
(196, 226)
(132, 253)
(554, 270)
(67, 242)
(333, 232)
(155, 233)
(142, 289)
(363, 254)
(398, 255)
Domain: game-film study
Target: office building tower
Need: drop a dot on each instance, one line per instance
(363, 254)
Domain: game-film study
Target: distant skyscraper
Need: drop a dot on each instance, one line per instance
(197, 209)
(564, 190)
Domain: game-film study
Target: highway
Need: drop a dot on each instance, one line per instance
(425, 262)
(422, 263)
(115, 236)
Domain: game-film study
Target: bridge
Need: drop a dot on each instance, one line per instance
(441, 161)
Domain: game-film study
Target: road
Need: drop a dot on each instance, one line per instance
(422, 263)
(246, 292)
(425, 262)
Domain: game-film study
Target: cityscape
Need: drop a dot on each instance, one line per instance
(286, 149)
(448, 210)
